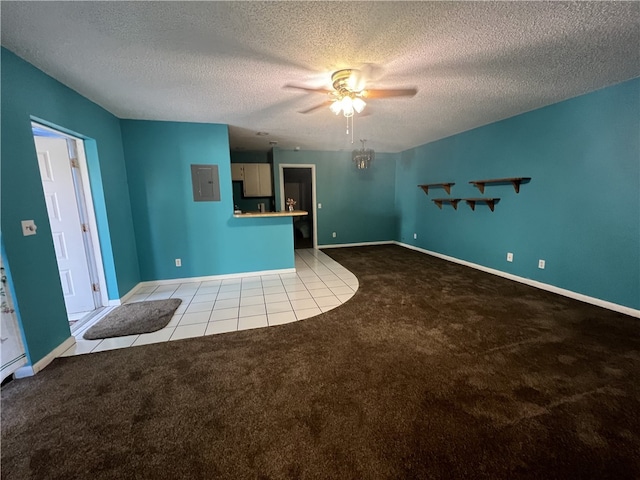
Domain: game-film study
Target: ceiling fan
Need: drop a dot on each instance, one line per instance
(349, 93)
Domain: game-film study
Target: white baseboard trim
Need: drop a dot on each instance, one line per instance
(211, 277)
(533, 283)
(30, 370)
(358, 244)
(124, 298)
(132, 292)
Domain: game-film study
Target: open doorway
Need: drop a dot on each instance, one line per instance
(65, 183)
(299, 182)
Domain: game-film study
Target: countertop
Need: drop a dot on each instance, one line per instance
(285, 213)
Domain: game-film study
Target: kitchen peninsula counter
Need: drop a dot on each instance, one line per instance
(284, 213)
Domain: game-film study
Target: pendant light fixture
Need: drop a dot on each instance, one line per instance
(363, 157)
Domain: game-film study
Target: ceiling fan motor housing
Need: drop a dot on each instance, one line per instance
(343, 83)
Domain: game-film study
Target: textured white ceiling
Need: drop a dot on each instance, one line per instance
(227, 62)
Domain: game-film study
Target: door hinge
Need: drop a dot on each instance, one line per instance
(74, 163)
(85, 227)
(95, 287)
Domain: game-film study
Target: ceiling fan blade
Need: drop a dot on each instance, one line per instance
(317, 107)
(365, 74)
(308, 89)
(398, 92)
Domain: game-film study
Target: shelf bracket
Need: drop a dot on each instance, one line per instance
(491, 202)
(451, 201)
(480, 186)
(516, 184)
(446, 186)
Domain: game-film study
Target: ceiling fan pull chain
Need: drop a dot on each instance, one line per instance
(352, 129)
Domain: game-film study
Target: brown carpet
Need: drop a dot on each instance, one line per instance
(432, 370)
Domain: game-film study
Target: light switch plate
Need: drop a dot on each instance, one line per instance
(28, 227)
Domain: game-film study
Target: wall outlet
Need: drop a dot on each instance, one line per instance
(415, 236)
(319, 205)
(541, 264)
(334, 234)
(28, 227)
(178, 262)
(509, 257)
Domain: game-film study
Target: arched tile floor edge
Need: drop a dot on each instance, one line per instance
(319, 284)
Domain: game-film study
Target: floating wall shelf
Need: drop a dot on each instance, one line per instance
(451, 201)
(491, 202)
(515, 181)
(446, 186)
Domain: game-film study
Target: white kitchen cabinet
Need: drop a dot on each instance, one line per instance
(257, 180)
(237, 171)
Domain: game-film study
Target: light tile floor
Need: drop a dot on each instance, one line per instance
(219, 306)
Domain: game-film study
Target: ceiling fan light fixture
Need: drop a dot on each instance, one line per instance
(347, 93)
(347, 106)
(359, 104)
(349, 89)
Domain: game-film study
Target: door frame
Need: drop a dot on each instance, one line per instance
(314, 201)
(93, 253)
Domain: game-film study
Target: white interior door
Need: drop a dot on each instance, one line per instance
(66, 228)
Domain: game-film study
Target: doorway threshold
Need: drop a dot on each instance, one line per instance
(81, 322)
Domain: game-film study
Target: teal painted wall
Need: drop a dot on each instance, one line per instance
(169, 224)
(29, 93)
(580, 212)
(356, 204)
(249, 204)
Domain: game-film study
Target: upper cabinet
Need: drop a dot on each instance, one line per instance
(255, 177)
(237, 171)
